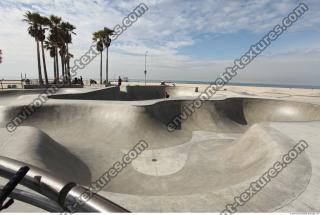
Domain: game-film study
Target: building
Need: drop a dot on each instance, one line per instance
(12, 84)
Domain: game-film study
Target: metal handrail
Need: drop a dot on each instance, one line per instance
(36, 200)
(10, 186)
(58, 190)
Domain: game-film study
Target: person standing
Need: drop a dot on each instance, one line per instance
(81, 80)
(119, 81)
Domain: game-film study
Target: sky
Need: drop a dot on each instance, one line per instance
(185, 39)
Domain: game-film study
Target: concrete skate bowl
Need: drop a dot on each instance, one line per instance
(212, 156)
(130, 93)
(10, 95)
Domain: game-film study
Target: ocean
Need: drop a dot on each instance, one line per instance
(236, 84)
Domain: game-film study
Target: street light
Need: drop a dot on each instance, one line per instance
(145, 68)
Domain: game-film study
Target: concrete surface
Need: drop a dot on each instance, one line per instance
(214, 155)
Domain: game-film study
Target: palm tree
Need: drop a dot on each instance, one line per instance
(55, 41)
(107, 42)
(62, 53)
(98, 37)
(43, 22)
(103, 40)
(67, 31)
(33, 20)
(48, 45)
(58, 43)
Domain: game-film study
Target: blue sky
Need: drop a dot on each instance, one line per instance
(232, 45)
(185, 39)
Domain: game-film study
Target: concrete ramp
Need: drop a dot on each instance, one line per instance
(33, 146)
(129, 93)
(214, 173)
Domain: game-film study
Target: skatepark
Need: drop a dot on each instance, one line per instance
(201, 166)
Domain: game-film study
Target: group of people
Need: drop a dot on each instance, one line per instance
(77, 80)
(80, 81)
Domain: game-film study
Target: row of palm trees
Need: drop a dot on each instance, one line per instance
(103, 41)
(55, 35)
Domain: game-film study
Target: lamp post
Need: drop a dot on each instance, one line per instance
(145, 68)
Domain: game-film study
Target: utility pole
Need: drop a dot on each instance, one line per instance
(145, 68)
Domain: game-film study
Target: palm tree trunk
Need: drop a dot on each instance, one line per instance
(68, 65)
(54, 69)
(65, 69)
(57, 64)
(100, 67)
(107, 66)
(62, 67)
(44, 64)
(39, 64)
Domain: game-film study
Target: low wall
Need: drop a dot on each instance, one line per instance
(51, 85)
(145, 92)
(110, 93)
